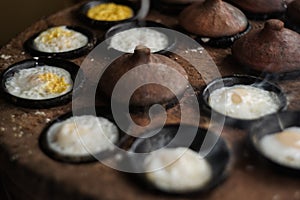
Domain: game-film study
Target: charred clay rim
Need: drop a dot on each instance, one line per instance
(222, 42)
(100, 112)
(73, 69)
(29, 45)
(270, 125)
(141, 24)
(82, 13)
(229, 81)
(219, 158)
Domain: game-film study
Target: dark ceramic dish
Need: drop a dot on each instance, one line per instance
(99, 111)
(29, 46)
(239, 80)
(269, 125)
(72, 68)
(138, 24)
(82, 13)
(222, 42)
(219, 157)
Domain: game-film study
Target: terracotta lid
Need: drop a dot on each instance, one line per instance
(261, 6)
(140, 68)
(293, 12)
(273, 49)
(213, 18)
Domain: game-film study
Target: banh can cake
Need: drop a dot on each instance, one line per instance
(61, 41)
(215, 22)
(41, 82)
(283, 147)
(272, 49)
(293, 15)
(44, 82)
(184, 170)
(174, 165)
(261, 9)
(276, 140)
(242, 99)
(106, 13)
(162, 69)
(79, 138)
(126, 36)
(110, 12)
(127, 40)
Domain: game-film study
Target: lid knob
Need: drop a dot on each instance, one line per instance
(274, 24)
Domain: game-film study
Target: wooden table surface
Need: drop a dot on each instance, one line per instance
(27, 173)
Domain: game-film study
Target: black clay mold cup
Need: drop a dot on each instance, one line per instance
(80, 137)
(276, 139)
(174, 163)
(42, 83)
(66, 42)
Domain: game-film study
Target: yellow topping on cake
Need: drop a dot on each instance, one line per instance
(55, 84)
(110, 12)
(56, 32)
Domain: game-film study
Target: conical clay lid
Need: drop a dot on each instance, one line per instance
(140, 68)
(213, 18)
(273, 49)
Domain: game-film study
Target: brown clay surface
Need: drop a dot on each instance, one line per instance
(28, 173)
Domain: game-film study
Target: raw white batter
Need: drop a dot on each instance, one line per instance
(127, 40)
(283, 147)
(244, 101)
(82, 135)
(178, 170)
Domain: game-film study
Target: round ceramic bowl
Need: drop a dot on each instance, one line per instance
(268, 126)
(209, 145)
(83, 10)
(89, 156)
(30, 47)
(234, 80)
(140, 24)
(73, 69)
